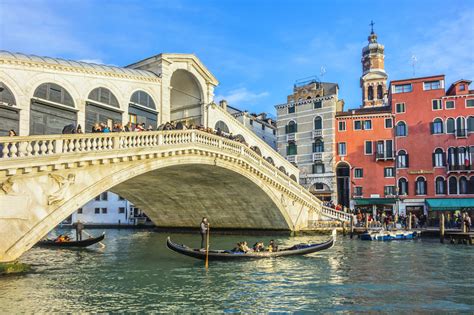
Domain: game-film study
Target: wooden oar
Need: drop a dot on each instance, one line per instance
(101, 244)
(207, 246)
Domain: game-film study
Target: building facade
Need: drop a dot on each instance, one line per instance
(306, 134)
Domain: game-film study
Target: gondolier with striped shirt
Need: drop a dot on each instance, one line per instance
(203, 230)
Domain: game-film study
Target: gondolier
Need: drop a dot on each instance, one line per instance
(79, 227)
(203, 230)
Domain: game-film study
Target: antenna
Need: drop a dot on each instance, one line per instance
(322, 72)
(414, 60)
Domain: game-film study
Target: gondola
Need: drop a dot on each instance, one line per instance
(296, 250)
(71, 244)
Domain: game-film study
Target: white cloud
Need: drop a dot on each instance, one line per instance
(96, 61)
(241, 97)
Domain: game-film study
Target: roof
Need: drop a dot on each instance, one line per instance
(449, 203)
(419, 78)
(451, 87)
(366, 111)
(76, 64)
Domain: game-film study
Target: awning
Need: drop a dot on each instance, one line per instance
(450, 204)
(374, 201)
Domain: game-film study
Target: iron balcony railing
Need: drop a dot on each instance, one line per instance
(461, 133)
(317, 133)
(385, 155)
(460, 168)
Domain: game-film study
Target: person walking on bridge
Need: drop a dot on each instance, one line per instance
(203, 230)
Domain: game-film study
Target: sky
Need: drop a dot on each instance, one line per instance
(256, 49)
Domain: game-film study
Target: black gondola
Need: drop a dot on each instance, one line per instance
(300, 249)
(84, 243)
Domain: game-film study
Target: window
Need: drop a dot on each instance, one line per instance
(318, 123)
(342, 126)
(463, 185)
(470, 103)
(462, 87)
(103, 196)
(470, 124)
(251, 122)
(274, 131)
(388, 123)
(438, 158)
(357, 125)
(389, 190)
(440, 185)
(291, 127)
(121, 198)
(431, 85)
(368, 148)
(97, 198)
(291, 149)
(400, 107)
(318, 104)
(453, 186)
(379, 92)
(121, 210)
(54, 93)
(291, 109)
(143, 98)
(263, 127)
(402, 88)
(449, 104)
(358, 191)
(437, 127)
(104, 95)
(367, 124)
(370, 93)
(97, 210)
(401, 130)
(450, 125)
(436, 104)
(104, 210)
(318, 146)
(402, 159)
(358, 173)
(420, 188)
(341, 148)
(402, 186)
(460, 127)
(318, 168)
(389, 172)
(79, 211)
(319, 186)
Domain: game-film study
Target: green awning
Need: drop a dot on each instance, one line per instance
(374, 201)
(450, 204)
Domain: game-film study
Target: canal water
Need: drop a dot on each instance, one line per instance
(136, 272)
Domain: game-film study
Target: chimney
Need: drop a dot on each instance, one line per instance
(223, 104)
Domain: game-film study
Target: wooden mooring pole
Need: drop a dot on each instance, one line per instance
(441, 228)
(367, 221)
(409, 222)
(352, 225)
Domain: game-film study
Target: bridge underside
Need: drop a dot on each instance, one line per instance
(179, 196)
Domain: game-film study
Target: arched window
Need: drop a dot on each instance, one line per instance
(54, 93)
(221, 126)
(291, 127)
(143, 98)
(450, 125)
(402, 159)
(440, 186)
(470, 124)
(438, 158)
(293, 177)
(318, 146)
(6, 95)
(470, 185)
(461, 127)
(452, 186)
(104, 96)
(270, 160)
(451, 157)
(437, 126)
(256, 150)
(282, 169)
(379, 92)
(318, 123)
(463, 185)
(462, 156)
(370, 93)
(420, 188)
(402, 186)
(401, 130)
(291, 149)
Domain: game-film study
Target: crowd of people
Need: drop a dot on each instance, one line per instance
(331, 204)
(242, 247)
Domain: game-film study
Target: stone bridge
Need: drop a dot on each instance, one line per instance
(176, 177)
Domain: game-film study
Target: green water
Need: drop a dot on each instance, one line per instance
(136, 272)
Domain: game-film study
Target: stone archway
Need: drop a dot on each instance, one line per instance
(187, 98)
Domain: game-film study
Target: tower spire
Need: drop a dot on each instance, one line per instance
(372, 26)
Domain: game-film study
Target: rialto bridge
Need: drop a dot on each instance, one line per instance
(176, 177)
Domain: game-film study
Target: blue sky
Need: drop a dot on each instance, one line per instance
(256, 49)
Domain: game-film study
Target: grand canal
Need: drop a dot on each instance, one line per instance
(136, 272)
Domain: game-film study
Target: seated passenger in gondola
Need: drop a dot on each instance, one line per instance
(244, 247)
(258, 247)
(272, 247)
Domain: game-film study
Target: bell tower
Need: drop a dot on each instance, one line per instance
(374, 78)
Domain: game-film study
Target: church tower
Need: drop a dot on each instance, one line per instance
(374, 78)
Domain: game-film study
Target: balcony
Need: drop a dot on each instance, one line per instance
(460, 133)
(291, 158)
(317, 133)
(318, 156)
(385, 156)
(291, 137)
(460, 168)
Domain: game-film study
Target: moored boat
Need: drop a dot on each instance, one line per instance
(383, 235)
(71, 244)
(295, 250)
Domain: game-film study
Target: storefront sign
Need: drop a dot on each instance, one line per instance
(420, 172)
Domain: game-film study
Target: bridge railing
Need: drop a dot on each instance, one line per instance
(26, 147)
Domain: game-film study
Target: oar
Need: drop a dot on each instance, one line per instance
(101, 244)
(207, 246)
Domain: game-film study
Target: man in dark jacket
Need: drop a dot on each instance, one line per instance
(79, 228)
(203, 230)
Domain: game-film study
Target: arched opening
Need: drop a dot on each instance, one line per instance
(102, 106)
(52, 108)
(420, 186)
(440, 186)
(379, 92)
(402, 187)
(270, 160)
(282, 169)
(318, 123)
(460, 127)
(370, 93)
(9, 113)
(186, 98)
(401, 130)
(439, 158)
(463, 185)
(318, 146)
(240, 138)
(142, 109)
(293, 177)
(343, 184)
(292, 127)
(221, 127)
(453, 186)
(256, 150)
(437, 126)
(321, 191)
(470, 124)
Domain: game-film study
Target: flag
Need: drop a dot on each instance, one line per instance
(466, 160)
